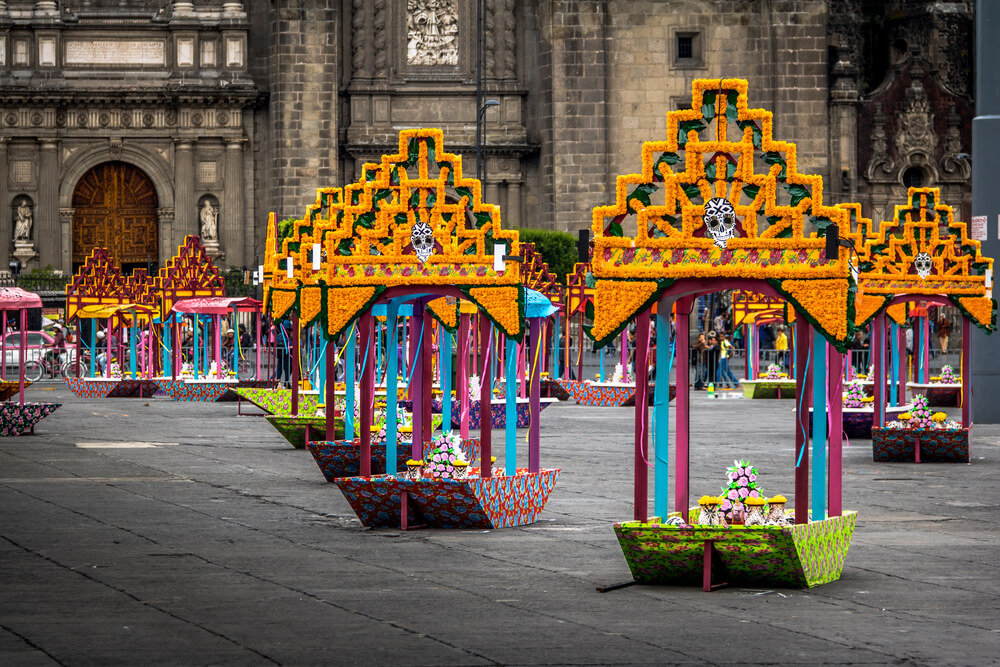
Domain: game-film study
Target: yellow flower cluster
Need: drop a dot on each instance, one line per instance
(939, 417)
(906, 416)
(755, 501)
(777, 499)
(709, 500)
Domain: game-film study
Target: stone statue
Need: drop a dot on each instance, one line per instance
(22, 224)
(209, 221)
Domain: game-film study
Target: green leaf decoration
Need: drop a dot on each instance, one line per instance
(431, 199)
(588, 311)
(751, 191)
(384, 193)
(685, 127)
(344, 247)
(367, 220)
(772, 158)
(401, 219)
(731, 110)
(866, 267)
(413, 153)
(464, 192)
(797, 192)
(642, 193)
(483, 219)
(744, 124)
(822, 222)
(710, 171)
(708, 105)
(668, 158)
(785, 233)
(589, 281)
(431, 154)
(615, 229)
(355, 197)
(772, 219)
(691, 190)
(730, 171)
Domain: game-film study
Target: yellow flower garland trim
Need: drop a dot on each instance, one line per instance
(446, 313)
(981, 309)
(825, 301)
(343, 304)
(310, 303)
(897, 313)
(502, 305)
(866, 306)
(281, 302)
(615, 302)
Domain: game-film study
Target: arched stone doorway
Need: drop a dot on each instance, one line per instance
(114, 207)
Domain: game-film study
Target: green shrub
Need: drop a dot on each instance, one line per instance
(558, 250)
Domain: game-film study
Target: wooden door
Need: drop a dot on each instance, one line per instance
(114, 207)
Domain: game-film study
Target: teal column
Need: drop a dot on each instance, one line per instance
(93, 347)
(819, 427)
(194, 351)
(661, 412)
(167, 341)
(131, 347)
(350, 367)
(444, 362)
(391, 397)
(510, 427)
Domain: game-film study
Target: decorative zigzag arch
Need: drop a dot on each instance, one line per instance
(366, 230)
(922, 252)
(189, 273)
(97, 282)
(752, 184)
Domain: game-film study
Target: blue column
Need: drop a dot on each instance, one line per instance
(391, 396)
(510, 428)
(603, 378)
(661, 411)
(194, 342)
(131, 346)
(444, 362)
(350, 366)
(819, 428)
(94, 351)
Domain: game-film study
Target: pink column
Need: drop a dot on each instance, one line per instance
(367, 392)
(901, 368)
(522, 362)
(836, 462)
(427, 378)
(925, 347)
(535, 403)
(462, 381)
(803, 399)
(23, 345)
(485, 402)
(878, 373)
(294, 361)
(218, 346)
(967, 378)
(682, 414)
(257, 345)
(641, 494)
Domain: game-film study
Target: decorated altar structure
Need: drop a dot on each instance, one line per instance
(751, 310)
(922, 255)
(129, 335)
(18, 416)
(718, 223)
(411, 232)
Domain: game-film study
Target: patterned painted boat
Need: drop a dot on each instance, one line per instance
(342, 458)
(910, 445)
(494, 502)
(763, 388)
(17, 419)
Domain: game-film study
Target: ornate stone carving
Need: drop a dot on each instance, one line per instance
(916, 122)
(115, 148)
(380, 30)
(431, 32)
(23, 220)
(880, 145)
(209, 216)
(509, 39)
(357, 36)
(955, 161)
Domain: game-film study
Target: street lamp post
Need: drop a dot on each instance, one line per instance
(481, 138)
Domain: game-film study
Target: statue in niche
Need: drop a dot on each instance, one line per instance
(22, 222)
(209, 221)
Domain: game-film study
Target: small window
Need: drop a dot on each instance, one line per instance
(685, 47)
(913, 177)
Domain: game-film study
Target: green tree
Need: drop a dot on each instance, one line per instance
(558, 249)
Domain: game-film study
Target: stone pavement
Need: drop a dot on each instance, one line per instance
(143, 531)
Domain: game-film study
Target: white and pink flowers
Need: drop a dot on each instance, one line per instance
(742, 485)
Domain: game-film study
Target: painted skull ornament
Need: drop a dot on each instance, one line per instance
(720, 220)
(923, 264)
(422, 240)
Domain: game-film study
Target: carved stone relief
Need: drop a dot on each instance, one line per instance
(916, 122)
(431, 32)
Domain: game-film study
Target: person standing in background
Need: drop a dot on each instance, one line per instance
(943, 329)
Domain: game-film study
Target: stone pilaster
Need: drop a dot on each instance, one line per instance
(66, 233)
(47, 206)
(165, 222)
(512, 214)
(184, 201)
(232, 226)
(6, 223)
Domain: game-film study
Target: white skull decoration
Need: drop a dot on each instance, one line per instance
(923, 264)
(720, 220)
(422, 240)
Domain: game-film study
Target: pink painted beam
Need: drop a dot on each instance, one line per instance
(878, 372)
(535, 403)
(462, 383)
(967, 378)
(426, 376)
(901, 368)
(641, 416)
(803, 393)
(294, 361)
(835, 380)
(683, 411)
(485, 396)
(367, 394)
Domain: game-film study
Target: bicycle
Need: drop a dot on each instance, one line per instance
(77, 367)
(49, 363)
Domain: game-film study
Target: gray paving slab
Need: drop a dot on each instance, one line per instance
(149, 531)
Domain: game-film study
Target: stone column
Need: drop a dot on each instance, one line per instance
(66, 230)
(491, 193)
(165, 222)
(6, 223)
(183, 7)
(47, 235)
(232, 10)
(232, 225)
(46, 8)
(513, 212)
(185, 206)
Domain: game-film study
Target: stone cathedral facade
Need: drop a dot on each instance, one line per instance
(132, 123)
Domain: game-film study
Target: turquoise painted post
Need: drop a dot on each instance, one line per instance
(918, 346)
(661, 411)
(603, 377)
(820, 364)
(168, 340)
(391, 395)
(194, 352)
(510, 427)
(93, 346)
(444, 362)
(894, 383)
(555, 349)
(378, 350)
(350, 366)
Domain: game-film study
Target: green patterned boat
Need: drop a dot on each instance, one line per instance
(795, 556)
(293, 429)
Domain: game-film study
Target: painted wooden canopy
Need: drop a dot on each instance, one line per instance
(97, 282)
(188, 274)
(578, 293)
(411, 221)
(732, 206)
(752, 308)
(923, 250)
(535, 275)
